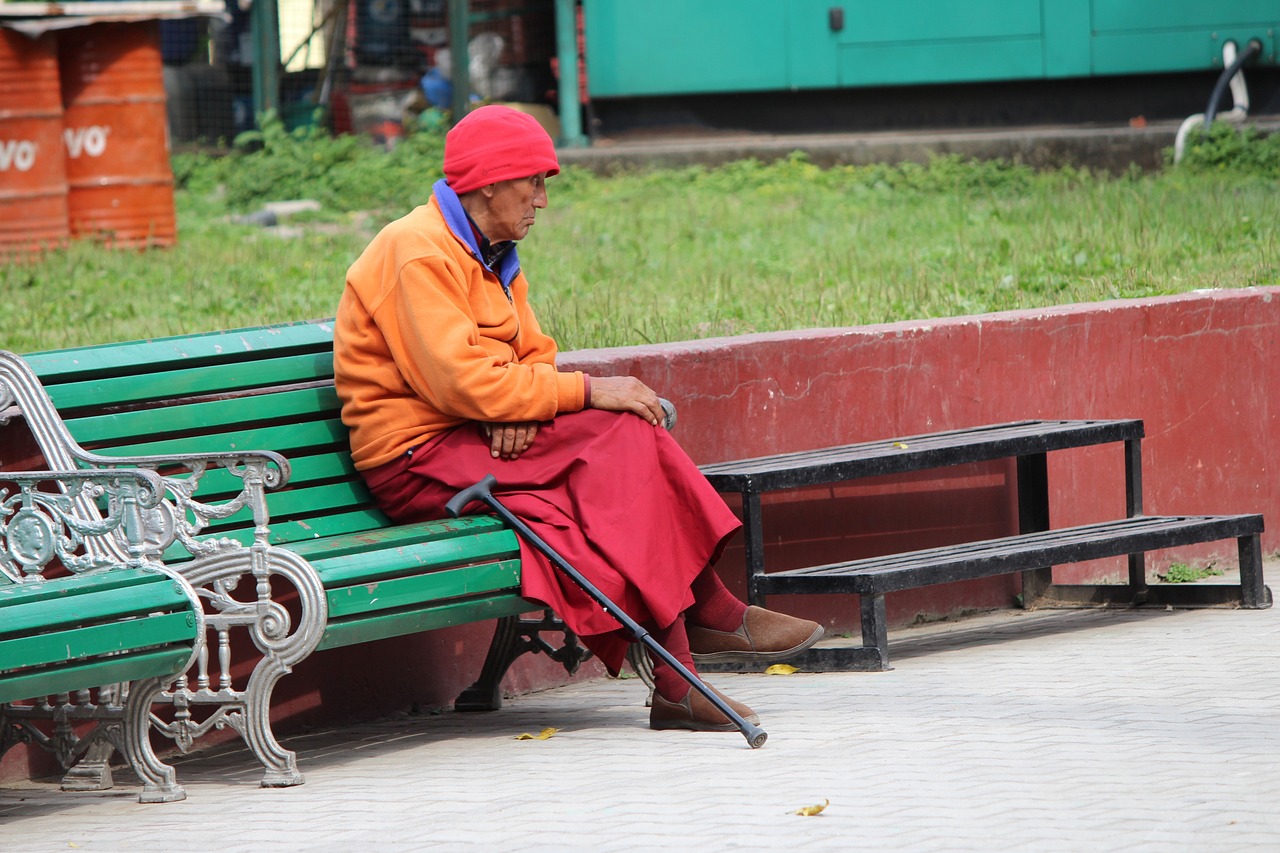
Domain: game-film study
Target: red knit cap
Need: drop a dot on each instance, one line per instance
(496, 143)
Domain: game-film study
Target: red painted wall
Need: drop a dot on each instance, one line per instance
(1199, 369)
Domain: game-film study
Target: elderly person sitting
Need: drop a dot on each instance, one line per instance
(445, 376)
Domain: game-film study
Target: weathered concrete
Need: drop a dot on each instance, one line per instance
(1046, 732)
(1109, 147)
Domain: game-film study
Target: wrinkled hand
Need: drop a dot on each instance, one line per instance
(626, 394)
(508, 441)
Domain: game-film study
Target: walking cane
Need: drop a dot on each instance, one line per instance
(481, 491)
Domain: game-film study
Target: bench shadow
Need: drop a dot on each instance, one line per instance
(232, 766)
(998, 628)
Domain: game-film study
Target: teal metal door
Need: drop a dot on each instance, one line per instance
(675, 47)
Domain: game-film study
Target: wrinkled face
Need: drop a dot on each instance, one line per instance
(512, 206)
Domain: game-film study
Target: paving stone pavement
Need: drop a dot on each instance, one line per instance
(1047, 731)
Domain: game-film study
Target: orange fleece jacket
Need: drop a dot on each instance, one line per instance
(425, 339)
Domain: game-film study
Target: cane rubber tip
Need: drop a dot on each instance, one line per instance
(757, 738)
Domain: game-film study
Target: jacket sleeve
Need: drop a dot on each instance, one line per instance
(467, 352)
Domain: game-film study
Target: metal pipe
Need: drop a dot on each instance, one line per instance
(567, 62)
(1229, 75)
(460, 56)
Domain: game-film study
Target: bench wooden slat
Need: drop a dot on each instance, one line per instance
(287, 504)
(428, 617)
(411, 591)
(115, 359)
(96, 640)
(304, 470)
(442, 533)
(304, 437)
(75, 676)
(291, 532)
(380, 563)
(68, 587)
(193, 381)
(110, 604)
(879, 575)
(315, 500)
(310, 405)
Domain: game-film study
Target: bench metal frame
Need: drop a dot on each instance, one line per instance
(40, 528)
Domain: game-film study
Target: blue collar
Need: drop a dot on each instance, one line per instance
(456, 218)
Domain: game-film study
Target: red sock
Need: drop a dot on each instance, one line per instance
(714, 606)
(669, 683)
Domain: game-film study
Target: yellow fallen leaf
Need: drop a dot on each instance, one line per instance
(900, 445)
(545, 734)
(781, 669)
(810, 811)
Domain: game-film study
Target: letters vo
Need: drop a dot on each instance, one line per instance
(91, 140)
(19, 154)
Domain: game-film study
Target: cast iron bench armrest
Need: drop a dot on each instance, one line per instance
(38, 526)
(114, 618)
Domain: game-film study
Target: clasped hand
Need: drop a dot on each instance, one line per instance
(611, 393)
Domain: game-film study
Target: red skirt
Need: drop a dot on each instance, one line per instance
(616, 497)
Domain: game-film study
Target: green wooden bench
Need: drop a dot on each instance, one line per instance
(197, 409)
(114, 615)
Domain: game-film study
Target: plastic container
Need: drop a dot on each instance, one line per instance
(33, 179)
(116, 135)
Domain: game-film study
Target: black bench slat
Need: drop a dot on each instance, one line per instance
(914, 453)
(896, 572)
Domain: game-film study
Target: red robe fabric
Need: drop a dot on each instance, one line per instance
(616, 497)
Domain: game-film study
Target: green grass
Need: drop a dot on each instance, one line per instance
(1183, 573)
(666, 255)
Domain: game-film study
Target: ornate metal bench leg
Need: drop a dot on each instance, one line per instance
(486, 693)
(93, 771)
(159, 780)
(513, 637)
(281, 765)
(10, 733)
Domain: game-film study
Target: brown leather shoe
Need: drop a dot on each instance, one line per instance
(696, 713)
(764, 636)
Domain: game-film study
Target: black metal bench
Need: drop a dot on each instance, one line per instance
(1033, 552)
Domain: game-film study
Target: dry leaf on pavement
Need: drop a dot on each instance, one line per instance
(810, 811)
(545, 734)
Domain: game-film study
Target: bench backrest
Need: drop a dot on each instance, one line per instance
(262, 388)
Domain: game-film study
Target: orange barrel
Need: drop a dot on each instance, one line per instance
(116, 134)
(33, 178)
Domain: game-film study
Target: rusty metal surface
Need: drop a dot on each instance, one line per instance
(34, 19)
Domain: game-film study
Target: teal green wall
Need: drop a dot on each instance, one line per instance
(660, 47)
